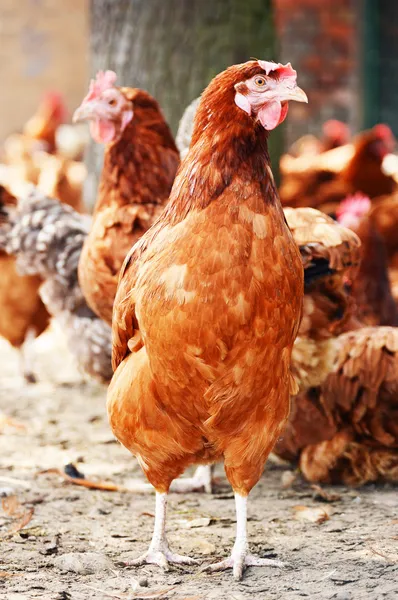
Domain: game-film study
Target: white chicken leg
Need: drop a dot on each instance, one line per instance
(240, 556)
(159, 552)
(200, 482)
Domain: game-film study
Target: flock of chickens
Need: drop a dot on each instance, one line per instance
(340, 199)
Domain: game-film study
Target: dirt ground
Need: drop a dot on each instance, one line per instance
(59, 541)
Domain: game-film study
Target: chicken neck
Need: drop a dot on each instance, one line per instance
(134, 169)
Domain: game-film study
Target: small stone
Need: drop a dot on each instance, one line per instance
(143, 582)
(83, 563)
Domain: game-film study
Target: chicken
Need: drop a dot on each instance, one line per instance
(47, 238)
(185, 128)
(364, 171)
(140, 163)
(346, 431)
(211, 293)
(43, 125)
(63, 179)
(329, 251)
(325, 180)
(384, 216)
(23, 315)
(370, 286)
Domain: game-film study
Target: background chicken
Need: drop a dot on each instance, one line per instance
(42, 126)
(23, 315)
(325, 180)
(140, 163)
(345, 431)
(47, 238)
(370, 286)
(341, 429)
(329, 251)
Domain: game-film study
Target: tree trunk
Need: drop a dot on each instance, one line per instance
(173, 48)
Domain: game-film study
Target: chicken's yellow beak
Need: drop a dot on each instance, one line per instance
(295, 93)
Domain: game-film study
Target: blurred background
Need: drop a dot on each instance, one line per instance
(337, 47)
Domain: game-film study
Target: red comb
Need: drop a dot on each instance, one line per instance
(103, 81)
(357, 205)
(283, 70)
(55, 102)
(383, 132)
(336, 129)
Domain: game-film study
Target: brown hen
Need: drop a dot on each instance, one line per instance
(207, 297)
(328, 251)
(23, 315)
(324, 180)
(359, 403)
(140, 163)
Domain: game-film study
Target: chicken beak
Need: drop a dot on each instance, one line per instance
(296, 94)
(85, 112)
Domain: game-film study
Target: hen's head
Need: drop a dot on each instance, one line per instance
(336, 132)
(258, 89)
(106, 107)
(376, 143)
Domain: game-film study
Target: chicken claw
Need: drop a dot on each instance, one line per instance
(161, 556)
(238, 561)
(240, 556)
(159, 552)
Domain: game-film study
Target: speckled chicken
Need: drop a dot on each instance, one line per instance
(47, 238)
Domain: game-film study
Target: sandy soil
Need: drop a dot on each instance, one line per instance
(73, 546)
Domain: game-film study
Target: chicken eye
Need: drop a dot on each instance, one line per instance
(112, 102)
(260, 81)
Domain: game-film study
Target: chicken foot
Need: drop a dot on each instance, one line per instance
(159, 552)
(200, 482)
(240, 556)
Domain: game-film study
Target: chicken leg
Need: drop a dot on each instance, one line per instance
(200, 482)
(26, 353)
(159, 552)
(240, 556)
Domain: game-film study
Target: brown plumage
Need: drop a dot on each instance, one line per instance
(363, 172)
(344, 430)
(22, 313)
(323, 181)
(384, 216)
(370, 286)
(360, 403)
(329, 251)
(138, 172)
(207, 297)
